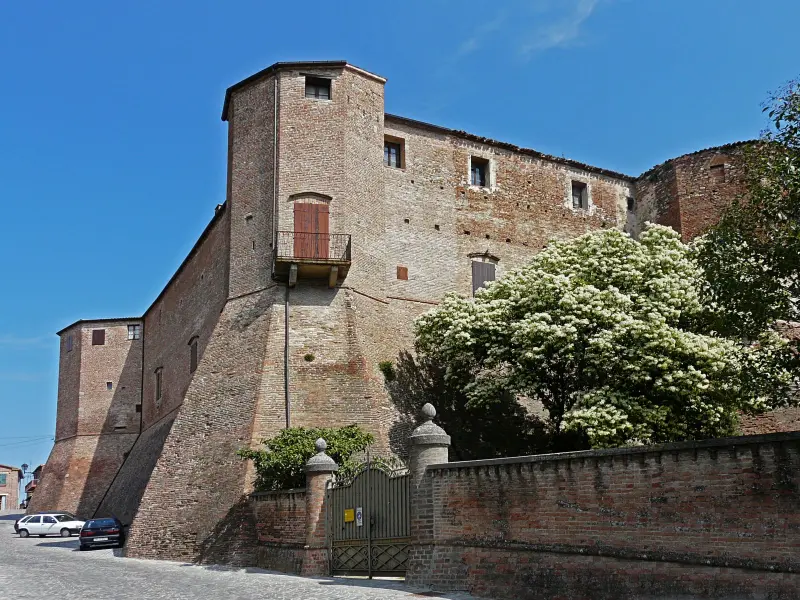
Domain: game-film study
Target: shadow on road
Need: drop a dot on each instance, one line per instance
(61, 544)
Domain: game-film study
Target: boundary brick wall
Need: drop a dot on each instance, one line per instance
(712, 519)
(280, 519)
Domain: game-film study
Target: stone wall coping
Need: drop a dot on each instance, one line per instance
(256, 495)
(730, 442)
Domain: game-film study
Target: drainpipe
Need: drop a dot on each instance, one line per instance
(286, 359)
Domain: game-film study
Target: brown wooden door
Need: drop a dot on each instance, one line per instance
(311, 235)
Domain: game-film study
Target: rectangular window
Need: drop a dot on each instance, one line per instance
(631, 203)
(138, 408)
(318, 87)
(69, 343)
(580, 195)
(402, 273)
(159, 382)
(478, 171)
(393, 153)
(482, 272)
(134, 332)
(193, 355)
(98, 337)
(3, 479)
(109, 386)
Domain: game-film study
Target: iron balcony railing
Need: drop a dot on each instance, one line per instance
(313, 247)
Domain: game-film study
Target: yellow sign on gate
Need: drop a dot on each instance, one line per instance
(349, 515)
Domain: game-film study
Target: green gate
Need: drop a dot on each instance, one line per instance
(369, 523)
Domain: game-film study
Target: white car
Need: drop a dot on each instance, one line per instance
(52, 524)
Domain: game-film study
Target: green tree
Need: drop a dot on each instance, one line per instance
(612, 337)
(280, 465)
(752, 256)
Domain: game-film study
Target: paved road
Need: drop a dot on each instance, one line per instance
(52, 567)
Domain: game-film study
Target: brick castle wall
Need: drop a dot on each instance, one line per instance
(283, 149)
(712, 519)
(97, 418)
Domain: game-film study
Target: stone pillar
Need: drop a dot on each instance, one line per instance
(429, 444)
(319, 471)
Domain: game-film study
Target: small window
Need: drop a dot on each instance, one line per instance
(3, 477)
(118, 427)
(482, 273)
(318, 87)
(631, 203)
(138, 408)
(402, 273)
(134, 332)
(109, 385)
(48, 520)
(393, 153)
(159, 383)
(98, 337)
(69, 343)
(718, 173)
(478, 171)
(580, 195)
(193, 354)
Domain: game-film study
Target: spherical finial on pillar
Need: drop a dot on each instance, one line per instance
(321, 462)
(429, 444)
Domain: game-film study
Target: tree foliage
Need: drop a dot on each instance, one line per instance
(613, 337)
(280, 465)
(752, 256)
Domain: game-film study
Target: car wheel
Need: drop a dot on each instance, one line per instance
(65, 533)
(82, 547)
(23, 533)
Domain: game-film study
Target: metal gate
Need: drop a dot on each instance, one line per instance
(369, 524)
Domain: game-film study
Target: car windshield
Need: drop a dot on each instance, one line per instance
(99, 523)
(63, 518)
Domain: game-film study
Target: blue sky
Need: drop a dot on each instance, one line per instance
(113, 153)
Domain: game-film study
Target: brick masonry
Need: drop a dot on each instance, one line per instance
(716, 519)
(9, 489)
(176, 475)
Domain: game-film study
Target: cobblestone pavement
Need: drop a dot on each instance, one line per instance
(52, 567)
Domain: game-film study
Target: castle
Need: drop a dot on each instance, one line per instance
(341, 225)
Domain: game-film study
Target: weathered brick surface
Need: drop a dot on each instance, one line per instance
(688, 193)
(95, 426)
(198, 480)
(188, 308)
(654, 515)
(79, 470)
(125, 492)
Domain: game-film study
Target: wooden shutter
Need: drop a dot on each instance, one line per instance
(481, 273)
(98, 337)
(303, 242)
(320, 221)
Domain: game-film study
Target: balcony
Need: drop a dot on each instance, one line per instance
(320, 256)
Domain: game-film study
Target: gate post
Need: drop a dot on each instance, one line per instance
(429, 444)
(319, 471)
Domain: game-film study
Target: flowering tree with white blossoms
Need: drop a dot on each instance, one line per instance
(612, 336)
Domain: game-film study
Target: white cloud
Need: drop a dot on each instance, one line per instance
(480, 35)
(562, 33)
